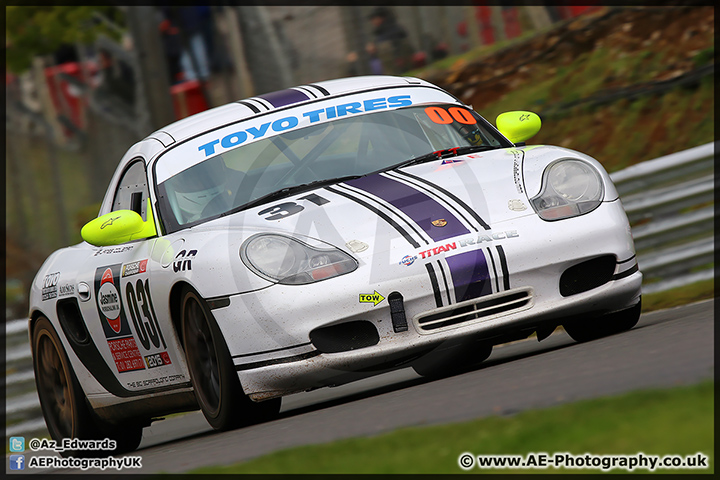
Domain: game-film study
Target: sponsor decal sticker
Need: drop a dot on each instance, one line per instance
(183, 260)
(441, 222)
(340, 110)
(66, 290)
(449, 161)
(115, 326)
(408, 260)
(157, 360)
(134, 268)
(463, 243)
(108, 222)
(49, 287)
(516, 205)
(126, 354)
(106, 251)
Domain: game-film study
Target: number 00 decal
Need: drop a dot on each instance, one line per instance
(444, 117)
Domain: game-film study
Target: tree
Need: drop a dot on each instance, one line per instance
(32, 31)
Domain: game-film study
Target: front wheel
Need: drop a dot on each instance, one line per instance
(585, 330)
(63, 402)
(212, 372)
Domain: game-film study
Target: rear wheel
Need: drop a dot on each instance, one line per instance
(62, 400)
(212, 372)
(445, 361)
(586, 330)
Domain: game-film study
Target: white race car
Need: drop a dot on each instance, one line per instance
(313, 236)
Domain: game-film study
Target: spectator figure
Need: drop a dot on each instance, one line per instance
(391, 42)
(115, 87)
(194, 22)
(172, 45)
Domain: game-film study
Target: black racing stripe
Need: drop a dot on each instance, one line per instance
(448, 204)
(391, 207)
(434, 282)
(447, 289)
(626, 273)
(265, 103)
(619, 262)
(322, 90)
(492, 260)
(275, 361)
(272, 351)
(464, 205)
(250, 106)
(308, 91)
(504, 266)
(379, 213)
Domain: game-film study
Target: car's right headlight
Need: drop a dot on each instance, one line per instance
(289, 261)
(569, 188)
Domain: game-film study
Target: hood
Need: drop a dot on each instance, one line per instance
(407, 208)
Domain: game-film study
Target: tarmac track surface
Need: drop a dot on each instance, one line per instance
(667, 348)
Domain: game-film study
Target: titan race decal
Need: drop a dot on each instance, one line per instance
(117, 331)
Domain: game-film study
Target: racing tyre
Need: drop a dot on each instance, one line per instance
(212, 372)
(449, 361)
(63, 402)
(584, 331)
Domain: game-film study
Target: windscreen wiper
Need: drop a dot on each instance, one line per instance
(445, 153)
(287, 191)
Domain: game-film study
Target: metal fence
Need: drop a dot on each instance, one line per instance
(669, 202)
(670, 205)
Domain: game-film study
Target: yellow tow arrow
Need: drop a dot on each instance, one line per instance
(373, 298)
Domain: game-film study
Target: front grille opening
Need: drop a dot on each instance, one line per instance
(587, 275)
(500, 304)
(345, 336)
(71, 321)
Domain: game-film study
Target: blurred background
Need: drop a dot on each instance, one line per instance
(84, 83)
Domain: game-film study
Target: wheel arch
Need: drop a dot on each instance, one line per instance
(176, 293)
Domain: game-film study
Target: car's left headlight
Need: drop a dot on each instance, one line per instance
(569, 188)
(289, 261)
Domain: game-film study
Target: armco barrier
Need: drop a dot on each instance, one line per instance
(669, 201)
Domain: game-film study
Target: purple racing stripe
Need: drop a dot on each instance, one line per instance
(284, 97)
(470, 275)
(422, 209)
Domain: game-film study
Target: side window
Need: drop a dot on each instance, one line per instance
(132, 191)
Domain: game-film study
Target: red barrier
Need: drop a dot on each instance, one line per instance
(187, 99)
(66, 96)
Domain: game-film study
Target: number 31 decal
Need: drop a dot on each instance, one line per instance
(283, 210)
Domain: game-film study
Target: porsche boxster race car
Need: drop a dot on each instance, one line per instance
(313, 236)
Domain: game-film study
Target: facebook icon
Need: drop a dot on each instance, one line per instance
(17, 462)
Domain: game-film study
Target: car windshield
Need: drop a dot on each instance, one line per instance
(347, 147)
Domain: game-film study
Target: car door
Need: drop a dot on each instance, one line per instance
(131, 328)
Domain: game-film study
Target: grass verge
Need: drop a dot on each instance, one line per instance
(677, 421)
(679, 296)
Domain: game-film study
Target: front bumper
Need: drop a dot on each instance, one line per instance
(268, 331)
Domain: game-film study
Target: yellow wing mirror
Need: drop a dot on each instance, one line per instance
(118, 227)
(518, 125)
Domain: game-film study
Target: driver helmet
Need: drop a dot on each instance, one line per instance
(197, 186)
(472, 134)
